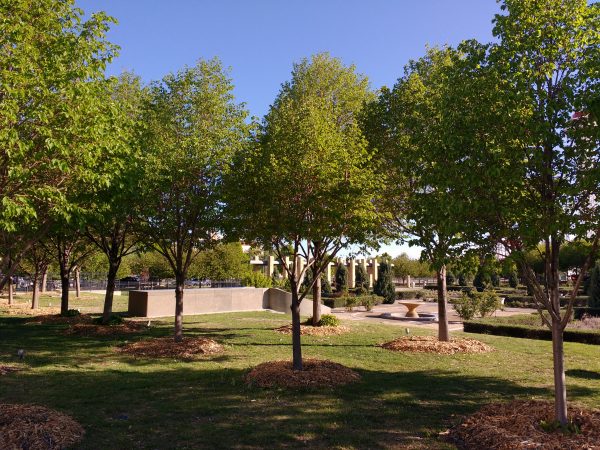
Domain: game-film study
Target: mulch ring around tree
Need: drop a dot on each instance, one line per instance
(315, 373)
(314, 331)
(5, 370)
(91, 329)
(431, 344)
(57, 319)
(166, 347)
(37, 428)
(526, 425)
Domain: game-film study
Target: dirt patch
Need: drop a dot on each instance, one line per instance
(36, 427)
(308, 330)
(5, 370)
(430, 344)
(166, 347)
(90, 329)
(57, 319)
(315, 373)
(518, 425)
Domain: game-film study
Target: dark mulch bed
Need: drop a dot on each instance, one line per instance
(90, 329)
(315, 373)
(430, 344)
(51, 319)
(166, 347)
(34, 427)
(314, 331)
(5, 370)
(518, 425)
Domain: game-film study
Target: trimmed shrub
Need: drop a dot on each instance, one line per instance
(114, 319)
(513, 279)
(384, 286)
(477, 303)
(462, 279)
(578, 313)
(495, 279)
(327, 320)
(352, 301)
(594, 287)
(409, 295)
(433, 287)
(341, 278)
(361, 280)
(481, 281)
(72, 313)
(450, 278)
(325, 287)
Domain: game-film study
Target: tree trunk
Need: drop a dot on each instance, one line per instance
(64, 285)
(296, 347)
(443, 333)
(179, 279)
(316, 300)
(44, 279)
(77, 282)
(560, 388)
(110, 291)
(35, 297)
(10, 291)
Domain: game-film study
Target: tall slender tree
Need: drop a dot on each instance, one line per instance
(306, 184)
(193, 129)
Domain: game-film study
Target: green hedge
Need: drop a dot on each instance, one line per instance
(433, 287)
(579, 312)
(341, 302)
(526, 301)
(408, 295)
(523, 331)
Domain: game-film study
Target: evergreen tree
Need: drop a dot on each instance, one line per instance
(361, 279)
(384, 286)
(341, 278)
(594, 289)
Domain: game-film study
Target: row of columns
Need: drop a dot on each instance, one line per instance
(370, 266)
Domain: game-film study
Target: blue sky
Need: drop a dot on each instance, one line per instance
(261, 39)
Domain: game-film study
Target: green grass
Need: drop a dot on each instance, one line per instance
(403, 400)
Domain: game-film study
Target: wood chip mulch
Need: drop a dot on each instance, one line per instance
(430, 344)
(90, 329)
(5, 370)
(51, 319)
(34, 427)
(315, 373)
(314, 331)
(516, 425)
(166, 347)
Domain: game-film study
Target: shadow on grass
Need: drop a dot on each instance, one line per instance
(584, 374)
(186, 407)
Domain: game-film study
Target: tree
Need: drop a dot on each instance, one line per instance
(35, 263)
(405, 133)
(384, 285)
(594, 289)
(341, 278)
(361, 279)
(306, 182)
(537, 163)
(110, 222)
(224, 262)
(193, 128)
(53, 120)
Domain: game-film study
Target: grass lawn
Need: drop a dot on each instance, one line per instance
(402, 401)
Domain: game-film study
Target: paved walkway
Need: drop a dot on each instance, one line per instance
(454, 322)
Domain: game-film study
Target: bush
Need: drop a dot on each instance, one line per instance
(477, 303)
(329, 320)
(578, 313)
(409, 295)
(325, 287)
(384, 287)
(450, 278)
(481, 281)
(72, 313)
(114, 319)
(495, 279)
(257, 280)
(361, 279)
(462, 279)
(341, 279)
(594, 287)
(353, 301)
(513, 279)
(308, 279)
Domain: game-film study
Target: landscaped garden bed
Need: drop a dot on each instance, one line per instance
(431, 344)
(309, 330)
(527, 425)
(315, 373)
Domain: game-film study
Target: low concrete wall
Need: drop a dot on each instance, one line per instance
(161, 303)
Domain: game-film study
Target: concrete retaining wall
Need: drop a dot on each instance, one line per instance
(161, 303)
